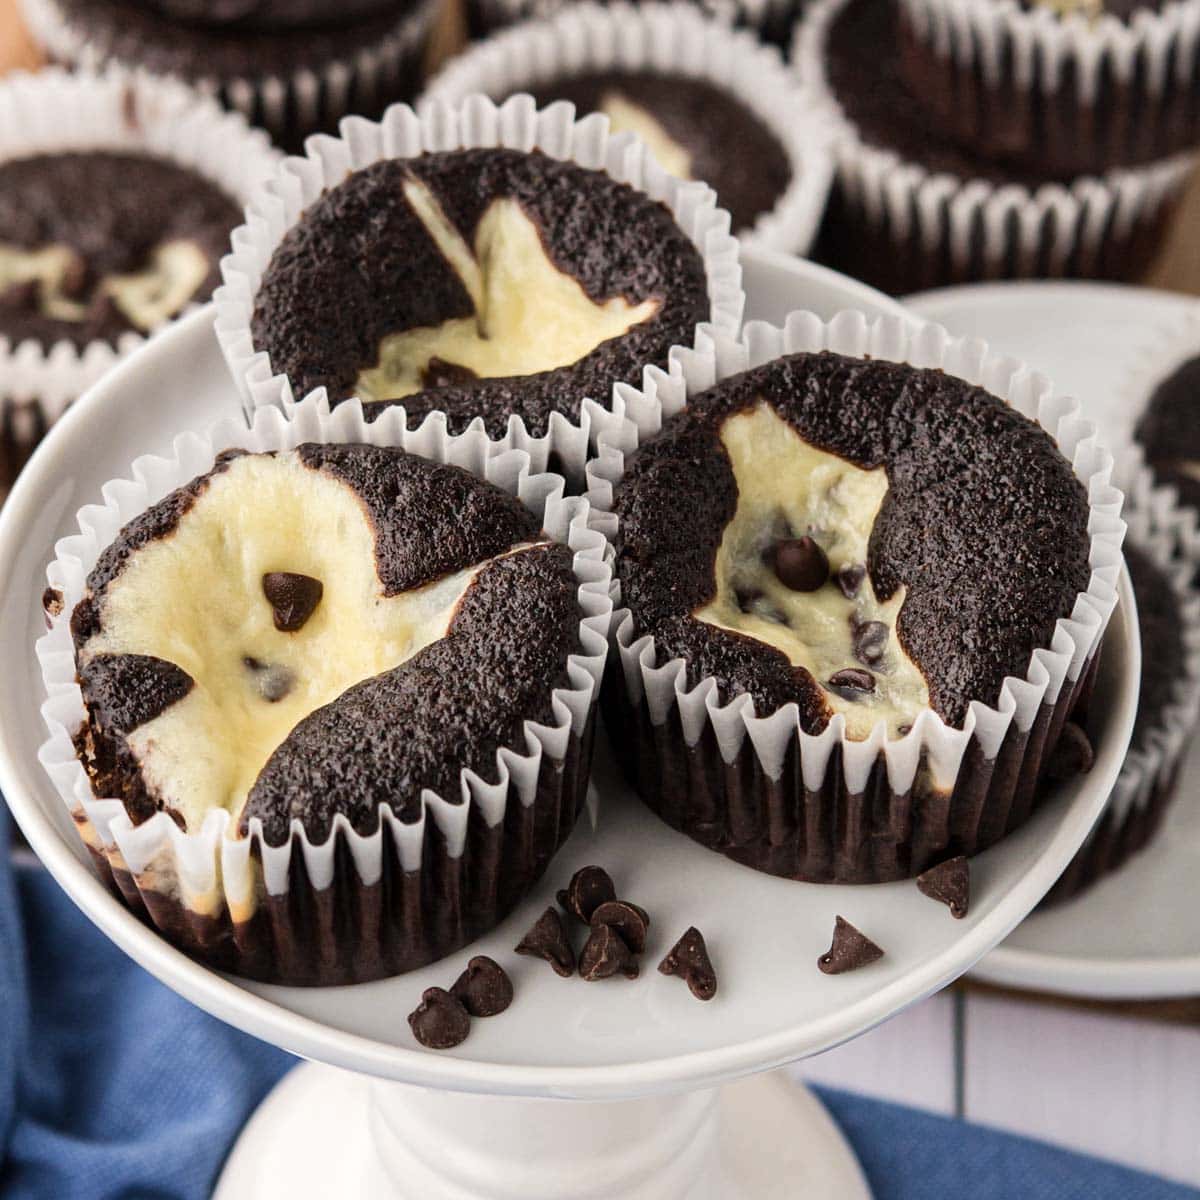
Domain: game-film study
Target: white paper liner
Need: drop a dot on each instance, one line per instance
(989, 230)
(1156, 47)
(1159, 357)
(212, 872)
(288, 106)
(931, 743)
(56, 111)
(664, 39)
(477, 122)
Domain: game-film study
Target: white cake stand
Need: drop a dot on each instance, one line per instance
(382, 1117)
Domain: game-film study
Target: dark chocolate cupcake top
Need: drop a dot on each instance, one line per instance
(1169, 431)
(320, 631)
(1160, 624)
(479, 282)
(859, 537)
(96, 244)
(695, 129)
(273, 14)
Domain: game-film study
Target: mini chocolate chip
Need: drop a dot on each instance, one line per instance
(1072, 754)
(801, 564)
(25, 296)
(850, 578)
(851, 679)
(605, 954)
(292, 598)
(548, 940)
(746, 598)
(52, 601)
(627, 919)
(589, 888)
(849, 950)
(484, 988)
(439, 1021)
(869, 639)
(688, 959)
(439, 373)
(950, 883)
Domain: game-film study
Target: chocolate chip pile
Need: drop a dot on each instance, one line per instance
(443, 1018)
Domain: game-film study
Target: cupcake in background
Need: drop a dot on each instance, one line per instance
(292, 68)
(915, 208)
(710, 103)
(117, 199)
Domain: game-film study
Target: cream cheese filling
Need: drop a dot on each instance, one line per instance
(529, 316)
(148, 297)
(789, 488)
(195, 598)
(624, 116)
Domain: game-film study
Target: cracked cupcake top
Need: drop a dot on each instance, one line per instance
(860, 537)
(478, 282)
(299, 634)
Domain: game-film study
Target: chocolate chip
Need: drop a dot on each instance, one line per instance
(439, 374)
(274, 682)
(52, 601)
(484, 988)
(801, 564)
(1072, 754)
(589, 888)
(25, 296)
(627, 919)
(869, 640)
(548, 940)
(950, 883)
(605, 954)
(688, 959)
(850, 578)
(851, 679)
(850, 950)
(439, 1021)
(292, 598)
(746, 598)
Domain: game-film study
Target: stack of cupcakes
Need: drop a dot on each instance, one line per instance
(984, 139)
(293, 67)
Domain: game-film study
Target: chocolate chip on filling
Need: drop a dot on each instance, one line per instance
(528, 315)
(789, 571)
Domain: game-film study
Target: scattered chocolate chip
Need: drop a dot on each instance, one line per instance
(273, 682)
(439, 1021)
(25, 296)
(1072, 755)
(589, 888)
(605, 954)
(950, 883)
(688, 959)
(627, 919)
(292, 598)
(746, 598)
(484, 988)
(849, 951)
(869, 640)
(52, 601)
(548, 940)
(851, 679)
(801, 564)
(850, 578)
(439, 374)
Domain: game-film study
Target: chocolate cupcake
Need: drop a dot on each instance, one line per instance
(514, 284)
(117, 199)
(710, 104)
(1168, 429)
(292, 69)
(913, 208)
(1060, 89)
(853, 630)
(378, 704)
(1163, 557)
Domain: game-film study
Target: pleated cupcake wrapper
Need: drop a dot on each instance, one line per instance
(54, 111)
(1034, 47)
(477, 122)
(924, 228)
(824, 806)
(1157, 358)
(264, 910)
(289, 106)
(1145, 788)
(672, 40)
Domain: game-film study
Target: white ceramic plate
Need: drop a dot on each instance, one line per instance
(561, 1038)
(1135, 934)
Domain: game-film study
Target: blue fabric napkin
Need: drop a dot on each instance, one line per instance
(112, 1086)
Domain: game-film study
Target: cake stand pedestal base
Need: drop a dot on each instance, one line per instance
(324, 1132)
